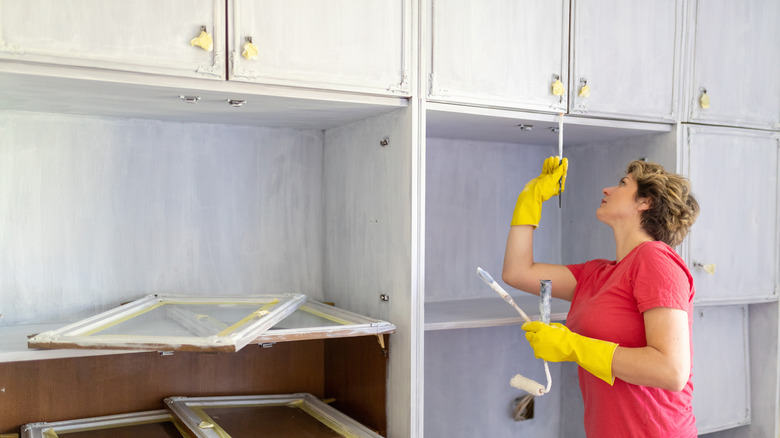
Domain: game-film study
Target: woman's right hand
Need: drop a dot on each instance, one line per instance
(520, 270)
(551, 182)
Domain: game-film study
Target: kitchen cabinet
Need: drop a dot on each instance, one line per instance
(733, 63)
(733, 247)
(109, 208)
(352, 45)
(500, 53)
(625, 59)
(344, 45)
(141, 36)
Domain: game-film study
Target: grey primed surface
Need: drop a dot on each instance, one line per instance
(467, 391)
(100, 211)
(472, 190)
(721, 370)
(724, 162)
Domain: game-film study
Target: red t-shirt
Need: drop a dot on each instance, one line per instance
(608, 303)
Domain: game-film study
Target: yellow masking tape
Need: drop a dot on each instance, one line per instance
(259, 312)
(323, 419)
(207, 420)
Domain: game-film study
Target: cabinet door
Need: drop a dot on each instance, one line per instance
(503, 53)
(734, 173)
(352, 45)
(736, 59)
(142, 35)
(628, 54)
(721, 367)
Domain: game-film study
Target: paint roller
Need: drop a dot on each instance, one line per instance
(519, 381)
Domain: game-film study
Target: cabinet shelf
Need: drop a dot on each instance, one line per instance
(64, 90)
(487, 312)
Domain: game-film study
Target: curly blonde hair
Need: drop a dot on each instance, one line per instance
(673, 209)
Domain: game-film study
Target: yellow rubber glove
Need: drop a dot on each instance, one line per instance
(528, 210)
(556, 343)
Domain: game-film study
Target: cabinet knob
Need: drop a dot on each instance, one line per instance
(250, 50)
(708, 268)
(203, 40)
(557, 86)
(704, 100)
(584, 89)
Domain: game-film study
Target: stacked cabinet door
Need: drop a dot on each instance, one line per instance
(733, 246)
(503, 53)
(736, 58)
(142, 35)
(625, 58)
(353, 45)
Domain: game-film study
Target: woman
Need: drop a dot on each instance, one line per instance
(629, 326)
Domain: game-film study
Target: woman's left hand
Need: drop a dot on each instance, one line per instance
(556, 343)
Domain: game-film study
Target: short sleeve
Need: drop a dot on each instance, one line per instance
(661, 279)
(576, 270)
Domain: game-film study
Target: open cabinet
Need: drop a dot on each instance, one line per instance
(477, 160)
(283, 195)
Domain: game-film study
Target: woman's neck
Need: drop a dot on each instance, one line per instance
(627, 240)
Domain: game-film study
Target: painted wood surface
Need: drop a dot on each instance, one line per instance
(502, 53)
(721, 370)
(471, 191)
(368, 239)
(145, 35)
(738, 227)
(487, 312)
(104, 211)
(629, 54)
(735, 57)
(467, 391)
(334, 44)
(592, 168)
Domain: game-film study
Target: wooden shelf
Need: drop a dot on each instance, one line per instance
(487, 312)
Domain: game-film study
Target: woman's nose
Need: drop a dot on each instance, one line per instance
(607, 190)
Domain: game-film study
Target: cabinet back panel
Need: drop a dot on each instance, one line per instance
(471, 190)
(101, 211)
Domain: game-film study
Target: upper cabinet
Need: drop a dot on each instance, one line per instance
(625, 58)
(733, 247)
(350, 45)
(140, 36)
(335, 45)
(735, 57)
(500, 53)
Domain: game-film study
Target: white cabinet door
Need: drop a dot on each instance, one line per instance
(352, 45)
(721, 367)
(734, 173)
(141, 35)
(736, 59)
(628, 54)
(502, 53)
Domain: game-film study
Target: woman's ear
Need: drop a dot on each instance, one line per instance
(643, 204)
